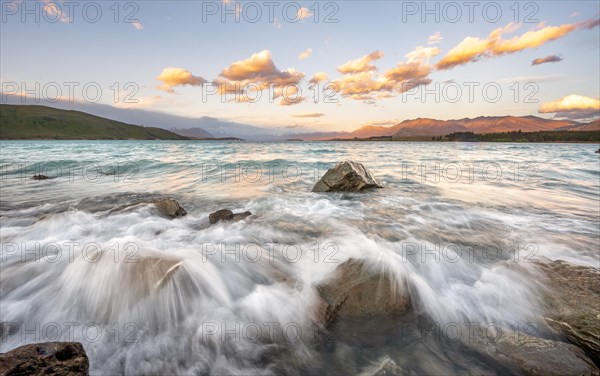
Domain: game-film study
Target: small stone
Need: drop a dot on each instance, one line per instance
(227, 215)
(40, 177)
(220, 215)
(170, 208)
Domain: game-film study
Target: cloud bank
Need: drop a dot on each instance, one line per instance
(473, 49)
(572, 107)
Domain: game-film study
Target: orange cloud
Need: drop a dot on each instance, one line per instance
(258, 73)
(318, 77)
(305, 54)
(573, 107)
(260, 68)
(473, 48)
(571, 103)
(303, 13)
(361, 65)
(423, 53)
(365, 85)
(172, 77)
(407, 71)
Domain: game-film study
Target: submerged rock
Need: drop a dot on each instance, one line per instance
(227, 215)
(166, 206)
(40, 177)
(355, 291)
(49, 358)
(384, 367)
(573, 304)
(146, 275)
(347, 176)
(535, 356)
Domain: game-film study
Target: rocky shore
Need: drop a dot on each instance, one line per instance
(361, 292)
(48, 358)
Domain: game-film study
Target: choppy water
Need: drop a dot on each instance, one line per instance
(150, 295)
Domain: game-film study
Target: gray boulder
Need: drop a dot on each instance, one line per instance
(356, 291)
(535, 356)
(347, 176)
(49, 358)
(170, 208)
(227, 216)
(573, 304)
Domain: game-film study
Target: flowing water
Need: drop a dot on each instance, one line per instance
(459, 225)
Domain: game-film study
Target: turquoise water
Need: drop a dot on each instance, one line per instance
(460, 224)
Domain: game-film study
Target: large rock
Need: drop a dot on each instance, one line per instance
(355, 291)
(227, 215)
(347, 176)
(535, 356)
(573, 304)
(49, 358)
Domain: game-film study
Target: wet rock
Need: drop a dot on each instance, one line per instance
(573, 304)
(40, 177)
(227, 216)
(535, 356)
(598, 151)
(220, 215)
(355, 291)
(347, 176)
(170, 208)
(146, 275)
(49, 358)
(166, 206)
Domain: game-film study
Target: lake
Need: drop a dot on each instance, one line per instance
(459, 225)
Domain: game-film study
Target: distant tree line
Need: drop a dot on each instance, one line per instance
(518, 136)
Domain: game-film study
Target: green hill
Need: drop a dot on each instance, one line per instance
(40, 122)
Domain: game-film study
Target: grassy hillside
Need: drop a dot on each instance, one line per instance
(40, 122)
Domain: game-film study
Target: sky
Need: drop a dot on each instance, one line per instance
(310, 66)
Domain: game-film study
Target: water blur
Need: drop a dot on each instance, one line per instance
(460, 224)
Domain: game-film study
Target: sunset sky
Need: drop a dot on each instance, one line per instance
(371, 50)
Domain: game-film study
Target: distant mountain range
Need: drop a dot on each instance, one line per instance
(424, 128)
(415, 129)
